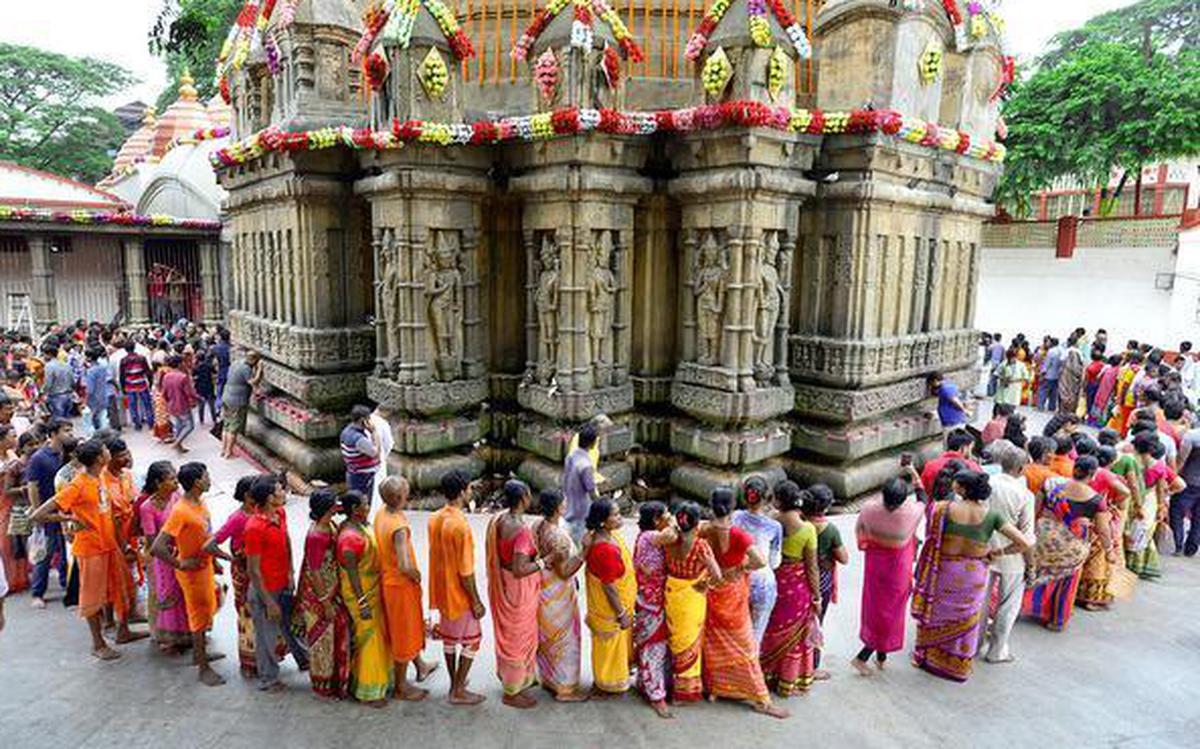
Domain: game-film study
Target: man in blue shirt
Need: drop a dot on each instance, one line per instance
(579, 481)
(220, 352)
(1052, 368)
(951, 411)
(39, 474)
(98, 381)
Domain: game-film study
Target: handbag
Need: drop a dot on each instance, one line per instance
(18, 521)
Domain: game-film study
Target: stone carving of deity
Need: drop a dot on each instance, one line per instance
(546, 301)
(602, 289)
(770, 302)
(710, 300)
(445, 293)
(389, 281)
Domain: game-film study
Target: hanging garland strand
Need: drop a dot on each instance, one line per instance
(574, 121)
(584, 15)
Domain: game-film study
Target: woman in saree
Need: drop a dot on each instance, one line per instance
(234, 531)
(768, 539)
(560, 645)
(1011, 378)
(952, 575)
(1102, 404)
(1070, 380)
(12, 496)
(886, 532)
(730, 652)
(1154, 484)
(1116, 494)
(162, 417)
(830, 553)
(611, 591)
(794, 630)
(691, 568)
(1071, 514)
(164, 600)
(650, 617)
(371, 660)
(321, 619)
(514, 587)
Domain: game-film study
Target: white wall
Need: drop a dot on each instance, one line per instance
(1028, 290)
(1185, 299)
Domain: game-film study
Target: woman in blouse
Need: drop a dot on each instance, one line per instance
(164, 600)
(794, 630)
(321, 615)
(514, 585)
(650, 616)
(234, 531)
(952, 576)
(371, 660)
(768, 540)
(691, 568)
(560, 644)
(830, 553)
(730, 652)
(611, 590)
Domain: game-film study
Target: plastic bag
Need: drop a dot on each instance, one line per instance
(36, 545)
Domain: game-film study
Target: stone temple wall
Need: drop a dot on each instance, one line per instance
(735, 301)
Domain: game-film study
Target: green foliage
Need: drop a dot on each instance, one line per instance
(188, 34)
(49, 115)
(1119, 92)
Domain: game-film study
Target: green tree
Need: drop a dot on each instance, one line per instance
(49, 113)
(1119, 92)
(188, 34)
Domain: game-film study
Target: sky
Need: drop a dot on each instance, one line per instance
(116, 31)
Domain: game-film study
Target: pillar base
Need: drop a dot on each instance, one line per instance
(697, 481)
(575, 406)
(720, 447)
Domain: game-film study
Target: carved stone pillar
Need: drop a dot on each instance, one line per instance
(135, 280)
(45, 303)
(739, 198)
(210, 289)
(578, 242)
(431, 375)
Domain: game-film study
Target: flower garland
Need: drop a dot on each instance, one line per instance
(574, 121)
(760, 28)
(776, 72)
(584, 15)
(434, 74)
(399, 18)
(198, 135)
(951, 8)
(95, 218)
(375, 69)
(1008, 74)
(249, 31)
(610, 64)
(545, 74)
(716, 73)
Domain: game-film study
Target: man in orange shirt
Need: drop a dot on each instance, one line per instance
(452, 587)
(189, 526)
(117, 480)
(401, 588)
(1041, 451)
(103, 574)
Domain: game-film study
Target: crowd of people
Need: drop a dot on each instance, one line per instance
(724, 602)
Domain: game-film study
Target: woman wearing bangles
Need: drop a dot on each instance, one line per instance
(371, 661)
(691, 568)
(730, 652)
(560, 644)
(611, 590)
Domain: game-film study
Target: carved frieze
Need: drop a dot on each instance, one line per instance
(310, 349)
(839, 405)
(862, 363)
(427, 399)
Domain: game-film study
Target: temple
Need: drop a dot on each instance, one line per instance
(745, 233)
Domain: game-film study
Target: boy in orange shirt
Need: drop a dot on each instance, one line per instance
(190, 527)
(452, 587)
(103, 575)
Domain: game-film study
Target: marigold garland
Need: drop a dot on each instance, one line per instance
(716, 73)
(776, 72)
(584, 15)
(248, 32)
(760, 28)
(434, 74)
(610, 64)
(574, 121)
(399, 18)
(545, 74)
(95, 218)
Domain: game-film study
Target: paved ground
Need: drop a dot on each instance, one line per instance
(1128, 677)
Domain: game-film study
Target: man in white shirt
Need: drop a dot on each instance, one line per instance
(1012, 499)
(383, 434)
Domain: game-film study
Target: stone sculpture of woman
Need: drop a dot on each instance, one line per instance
(710, 300)
(546, 301)
(770, 302)
(446, 305)
(602, 286)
